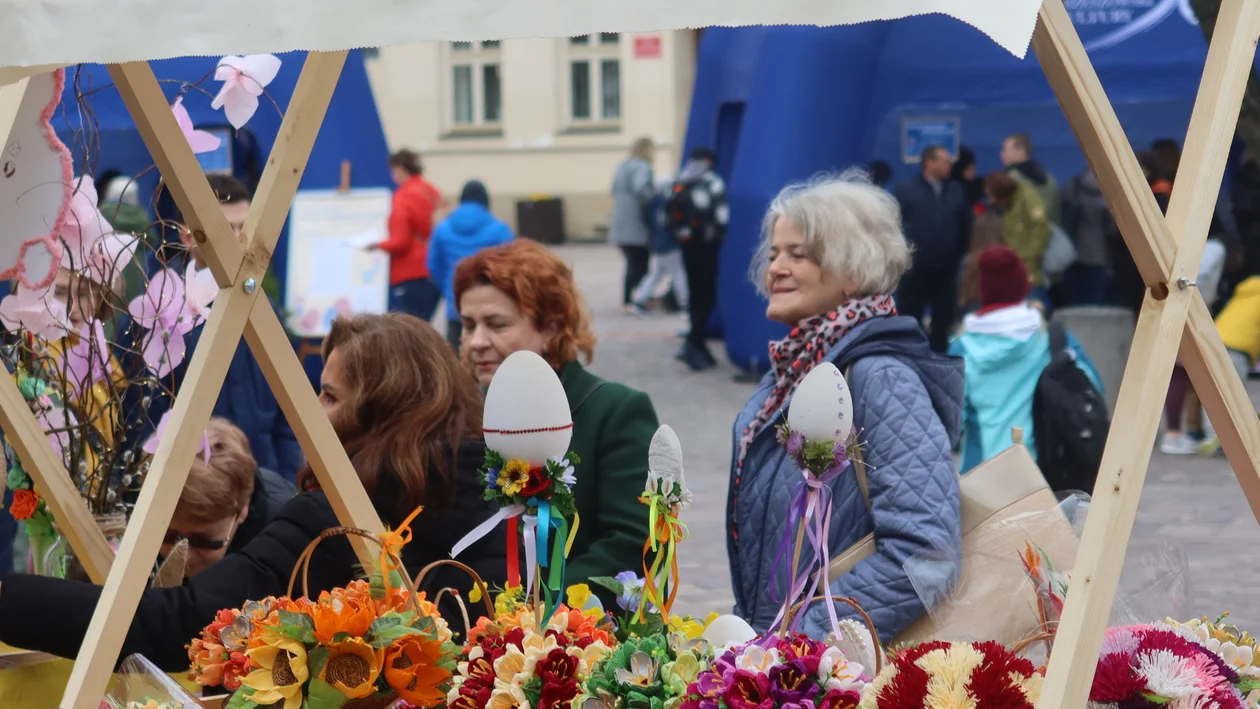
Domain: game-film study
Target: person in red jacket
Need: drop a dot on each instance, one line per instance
(410, 224)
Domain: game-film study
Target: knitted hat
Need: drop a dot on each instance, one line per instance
(1003, 278)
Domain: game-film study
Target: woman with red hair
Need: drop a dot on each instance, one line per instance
(521, 296)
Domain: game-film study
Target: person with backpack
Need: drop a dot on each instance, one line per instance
(667, 260)
(1013, 367)
(697, 213)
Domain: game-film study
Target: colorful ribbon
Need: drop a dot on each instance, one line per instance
(549, 553)
(811, 503)
(665, 529)
(392, 542)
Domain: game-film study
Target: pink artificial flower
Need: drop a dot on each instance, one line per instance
(62, 420)
(163, 310)
(199, 140)
(202, 289)
(85, 226)
(87, 361)
(243, 81)
(151, 445)
(38, 311)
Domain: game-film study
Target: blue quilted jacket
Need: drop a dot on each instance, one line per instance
(907, 403)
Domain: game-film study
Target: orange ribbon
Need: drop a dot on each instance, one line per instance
(667, 532)
(392, 542)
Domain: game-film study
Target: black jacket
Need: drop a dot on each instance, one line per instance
(271, 494)
(51, 615)
(939, 228)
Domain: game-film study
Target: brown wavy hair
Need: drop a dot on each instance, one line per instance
(409, 403)
(542, 287)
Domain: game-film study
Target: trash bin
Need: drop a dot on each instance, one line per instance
(541, 219)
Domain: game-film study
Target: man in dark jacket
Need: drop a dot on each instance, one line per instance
(937, 222)
(697, 213)
(246, 399)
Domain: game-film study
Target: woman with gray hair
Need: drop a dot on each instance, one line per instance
(832, 251)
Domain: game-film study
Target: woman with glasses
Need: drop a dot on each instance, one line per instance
(409, 416)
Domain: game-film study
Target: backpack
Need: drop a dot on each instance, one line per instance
(1070, 420)
(682, 215)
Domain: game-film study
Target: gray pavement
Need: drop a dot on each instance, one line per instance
(1190, 506)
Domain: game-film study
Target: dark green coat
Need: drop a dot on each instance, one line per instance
(613, 426)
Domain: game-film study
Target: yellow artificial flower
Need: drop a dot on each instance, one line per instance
(352, 667)
(281, 674)
(474, 596)
(505, 603)
(579, 594)
(513, 477)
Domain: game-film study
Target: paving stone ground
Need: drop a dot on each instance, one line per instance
(1191, 508)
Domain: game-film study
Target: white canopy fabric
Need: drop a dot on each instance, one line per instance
(65, 32)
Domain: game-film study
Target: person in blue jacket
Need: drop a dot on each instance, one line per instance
(245, 399)
(467, 230)
(1004, 346)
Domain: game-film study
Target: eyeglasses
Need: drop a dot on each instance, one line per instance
(196, 541)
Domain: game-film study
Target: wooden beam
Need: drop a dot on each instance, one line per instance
(1106, 148)
(271, 346)
(53, 482)
(1162, 324)
(182, 174)
(158, 496)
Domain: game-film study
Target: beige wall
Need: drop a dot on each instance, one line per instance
(535, 149)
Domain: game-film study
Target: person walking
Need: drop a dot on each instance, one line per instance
(667, 259)
(937, 223)
(631, 230)
(697, 212)
(468, 229)
(410, 224)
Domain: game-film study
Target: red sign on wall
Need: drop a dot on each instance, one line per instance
(647, 47)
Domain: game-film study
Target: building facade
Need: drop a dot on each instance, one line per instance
(538, 118)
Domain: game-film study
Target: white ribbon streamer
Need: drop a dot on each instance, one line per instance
(531, 549)
(488, 526)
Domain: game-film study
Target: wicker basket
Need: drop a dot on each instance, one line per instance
(879, 652)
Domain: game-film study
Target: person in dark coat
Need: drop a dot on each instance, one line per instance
(246, 398)
(964, 173)
(937, 223)
(520, 296)
(409, 416)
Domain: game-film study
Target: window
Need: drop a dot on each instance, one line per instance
(476, 86)
(595, 78)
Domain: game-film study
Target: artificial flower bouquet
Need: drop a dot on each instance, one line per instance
(365, 645)
(651, 672)
(1161, 664)
(513, 660)
(943, 675)
(771, 672)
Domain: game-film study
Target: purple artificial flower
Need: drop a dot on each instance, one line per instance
(791, 683)
(795, 443)
(803, 704)
(631, 591)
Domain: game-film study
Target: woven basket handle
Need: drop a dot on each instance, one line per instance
(879, 662)
(481, 585)
(304, 563)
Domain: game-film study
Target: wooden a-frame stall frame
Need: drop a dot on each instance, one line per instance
(1174, 318)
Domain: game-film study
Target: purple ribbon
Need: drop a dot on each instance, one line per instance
(811, 503)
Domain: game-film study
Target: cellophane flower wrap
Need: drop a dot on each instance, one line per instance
(1162, 665)
(362, 641)
(141, 685)
(944, 675)
(510, 661)
(793, 672)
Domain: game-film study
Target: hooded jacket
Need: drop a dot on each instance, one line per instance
(1004, 352)
(907, 404)
(1031, 173)
(468, 229)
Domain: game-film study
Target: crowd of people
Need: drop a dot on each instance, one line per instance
(868, 278)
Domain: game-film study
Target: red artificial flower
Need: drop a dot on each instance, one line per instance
(538, 482)
(473, 696)
(909, 687)
(24, 505)
(840, 699)
(481, 669)
(557, 695)
(991, 683)
(748, 690)
(557, 667)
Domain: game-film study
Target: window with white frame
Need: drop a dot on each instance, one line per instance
(594, 78)
(476, 86)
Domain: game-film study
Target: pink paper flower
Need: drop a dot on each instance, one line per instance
(38, 311)
(243, 81)
(163, 310)
(84, 227)
(202, 290)
(87, 361)
(151, 445)
(200, 140)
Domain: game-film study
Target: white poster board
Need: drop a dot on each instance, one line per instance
(330, 273)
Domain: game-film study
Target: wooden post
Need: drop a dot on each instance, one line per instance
(237, 310)
(1173, 316)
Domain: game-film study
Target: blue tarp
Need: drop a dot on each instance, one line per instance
(780, 104)
(100, 133)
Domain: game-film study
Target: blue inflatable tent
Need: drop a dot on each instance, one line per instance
(780, 104)
(101, 135)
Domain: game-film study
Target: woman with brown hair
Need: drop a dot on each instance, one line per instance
(408, 415)
(521, 296)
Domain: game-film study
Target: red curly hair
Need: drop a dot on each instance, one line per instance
(542, 287)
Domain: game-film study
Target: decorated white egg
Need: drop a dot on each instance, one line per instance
(726, 630)
(665, 457)
(526, 412)
(822, 407)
